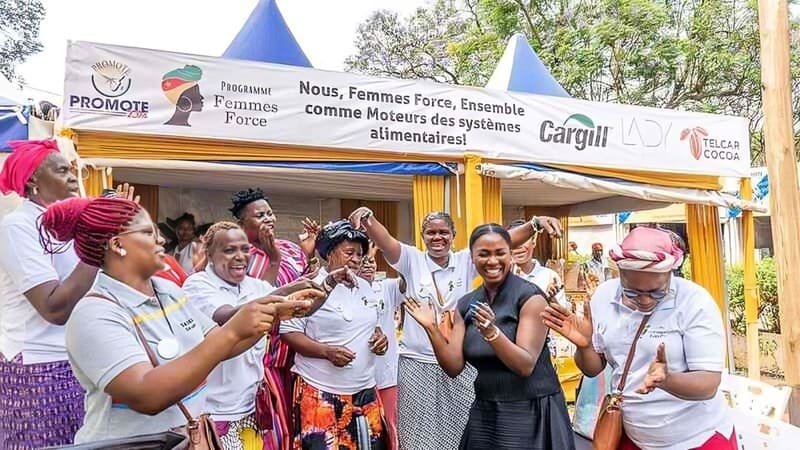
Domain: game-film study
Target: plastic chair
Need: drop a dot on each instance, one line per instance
(755, 432)
(755, 397)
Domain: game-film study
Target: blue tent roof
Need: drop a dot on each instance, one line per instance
(13, 122)
(265, 37)
(521, 70)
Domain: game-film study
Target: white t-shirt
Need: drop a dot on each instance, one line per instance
(184, 257)
(542, 276)
(389, 298)
(348, 318)
(24, 265)
(232, 385)
(689, 323)
(453, 281)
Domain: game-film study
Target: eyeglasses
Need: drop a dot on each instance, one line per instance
(655, 294)
(152, 229)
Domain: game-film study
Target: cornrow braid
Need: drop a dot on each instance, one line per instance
(244, 198)
(208, 238)
(439, 215)
(89, 223)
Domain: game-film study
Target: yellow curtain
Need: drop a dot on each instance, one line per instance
(492, 200)
(458, 210)
(750, 284)
(95, 180)
(705, 248)
(658, 178)
(473, 193)
(546, 247)
(93, 144)
(428, 196)
(386, 213)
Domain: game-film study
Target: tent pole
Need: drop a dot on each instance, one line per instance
(773, 17)
(750, 284)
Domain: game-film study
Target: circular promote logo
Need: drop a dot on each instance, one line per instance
(111, 78)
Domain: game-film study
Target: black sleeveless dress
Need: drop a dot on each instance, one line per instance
(509, 411)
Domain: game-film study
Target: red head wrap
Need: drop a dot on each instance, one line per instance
(18, 168)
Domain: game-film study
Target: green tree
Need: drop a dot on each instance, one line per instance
(699, 55)
(19, 33)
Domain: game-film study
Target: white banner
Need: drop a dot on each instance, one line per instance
(122, 89)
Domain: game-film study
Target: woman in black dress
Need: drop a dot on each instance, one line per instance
(518, 400)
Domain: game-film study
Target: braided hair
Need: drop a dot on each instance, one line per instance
(243, 198)
(208, 238)
(439, 215)
(89, 223)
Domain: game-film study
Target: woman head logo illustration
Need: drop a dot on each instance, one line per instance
(181, 89)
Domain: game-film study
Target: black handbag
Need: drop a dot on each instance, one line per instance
(168, 440)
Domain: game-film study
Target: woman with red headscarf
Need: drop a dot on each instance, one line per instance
(41, 402)
(670, 329)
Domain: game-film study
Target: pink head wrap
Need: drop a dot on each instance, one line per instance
(25, 158)
(647, 250)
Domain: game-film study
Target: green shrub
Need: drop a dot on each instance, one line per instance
(768, 297)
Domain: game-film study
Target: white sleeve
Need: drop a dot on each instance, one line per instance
(406, 262)
(264, 288)
(297, 325)
(203, 295)
(391, 293)
(23, 258)
(464, 256)
(704, 335)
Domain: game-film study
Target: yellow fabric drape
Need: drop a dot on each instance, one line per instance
(705, 248)
(492, 200)
(97, 179)
(428, 196)
(458, 198)
(750, 284)
(473, 193)
(546, 247)
(92, 144)
(643, 176)
(386, 213)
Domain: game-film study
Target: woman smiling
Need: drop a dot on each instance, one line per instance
(518, 400)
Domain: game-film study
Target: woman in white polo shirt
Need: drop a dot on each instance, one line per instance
(670, 400)
(41, 402)
(219, 291)
(129, 315)
(432, 407)
(336, 402)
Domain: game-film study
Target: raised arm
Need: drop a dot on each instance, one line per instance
(522, 233)
(519, 355)
(390, 247)
(54, 300)
(449, 353)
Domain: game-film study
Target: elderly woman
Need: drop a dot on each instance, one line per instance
(106, 334)
(671, 329)
(518, 399)
(279, 262)
(41, 402)
(336, 402)
(219, 291)
(432, 407)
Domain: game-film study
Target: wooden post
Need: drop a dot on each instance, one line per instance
(750, 284)
(773, 17)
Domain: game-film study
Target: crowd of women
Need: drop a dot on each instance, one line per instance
(294, 345)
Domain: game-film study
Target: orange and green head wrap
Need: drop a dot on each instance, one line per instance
(176, 82)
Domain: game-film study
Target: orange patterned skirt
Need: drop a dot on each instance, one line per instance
(325, 421)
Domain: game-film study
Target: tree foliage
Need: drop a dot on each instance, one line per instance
(19, 33)
(699, 55)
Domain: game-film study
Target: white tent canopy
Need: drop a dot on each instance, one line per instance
(611, 195)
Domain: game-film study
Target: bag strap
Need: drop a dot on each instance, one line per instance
(632, 351)
(439, 297)
(147, 349)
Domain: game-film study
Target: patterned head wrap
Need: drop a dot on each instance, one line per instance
(176, 82)
(18, 168)
(647, 250)
(337, 232)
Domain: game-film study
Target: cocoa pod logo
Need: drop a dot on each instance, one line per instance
(695, 136)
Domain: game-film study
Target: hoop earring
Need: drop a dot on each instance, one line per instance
(191, 104)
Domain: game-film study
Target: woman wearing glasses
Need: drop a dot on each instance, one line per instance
(670, 399)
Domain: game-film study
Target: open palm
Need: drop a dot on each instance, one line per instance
(577, 330)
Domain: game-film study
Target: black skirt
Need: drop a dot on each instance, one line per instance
(537, 424)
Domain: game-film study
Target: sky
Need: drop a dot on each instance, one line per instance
(325, 29)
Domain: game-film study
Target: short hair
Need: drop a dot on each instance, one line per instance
(489, 228)
(208, 237)
(243, 198)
